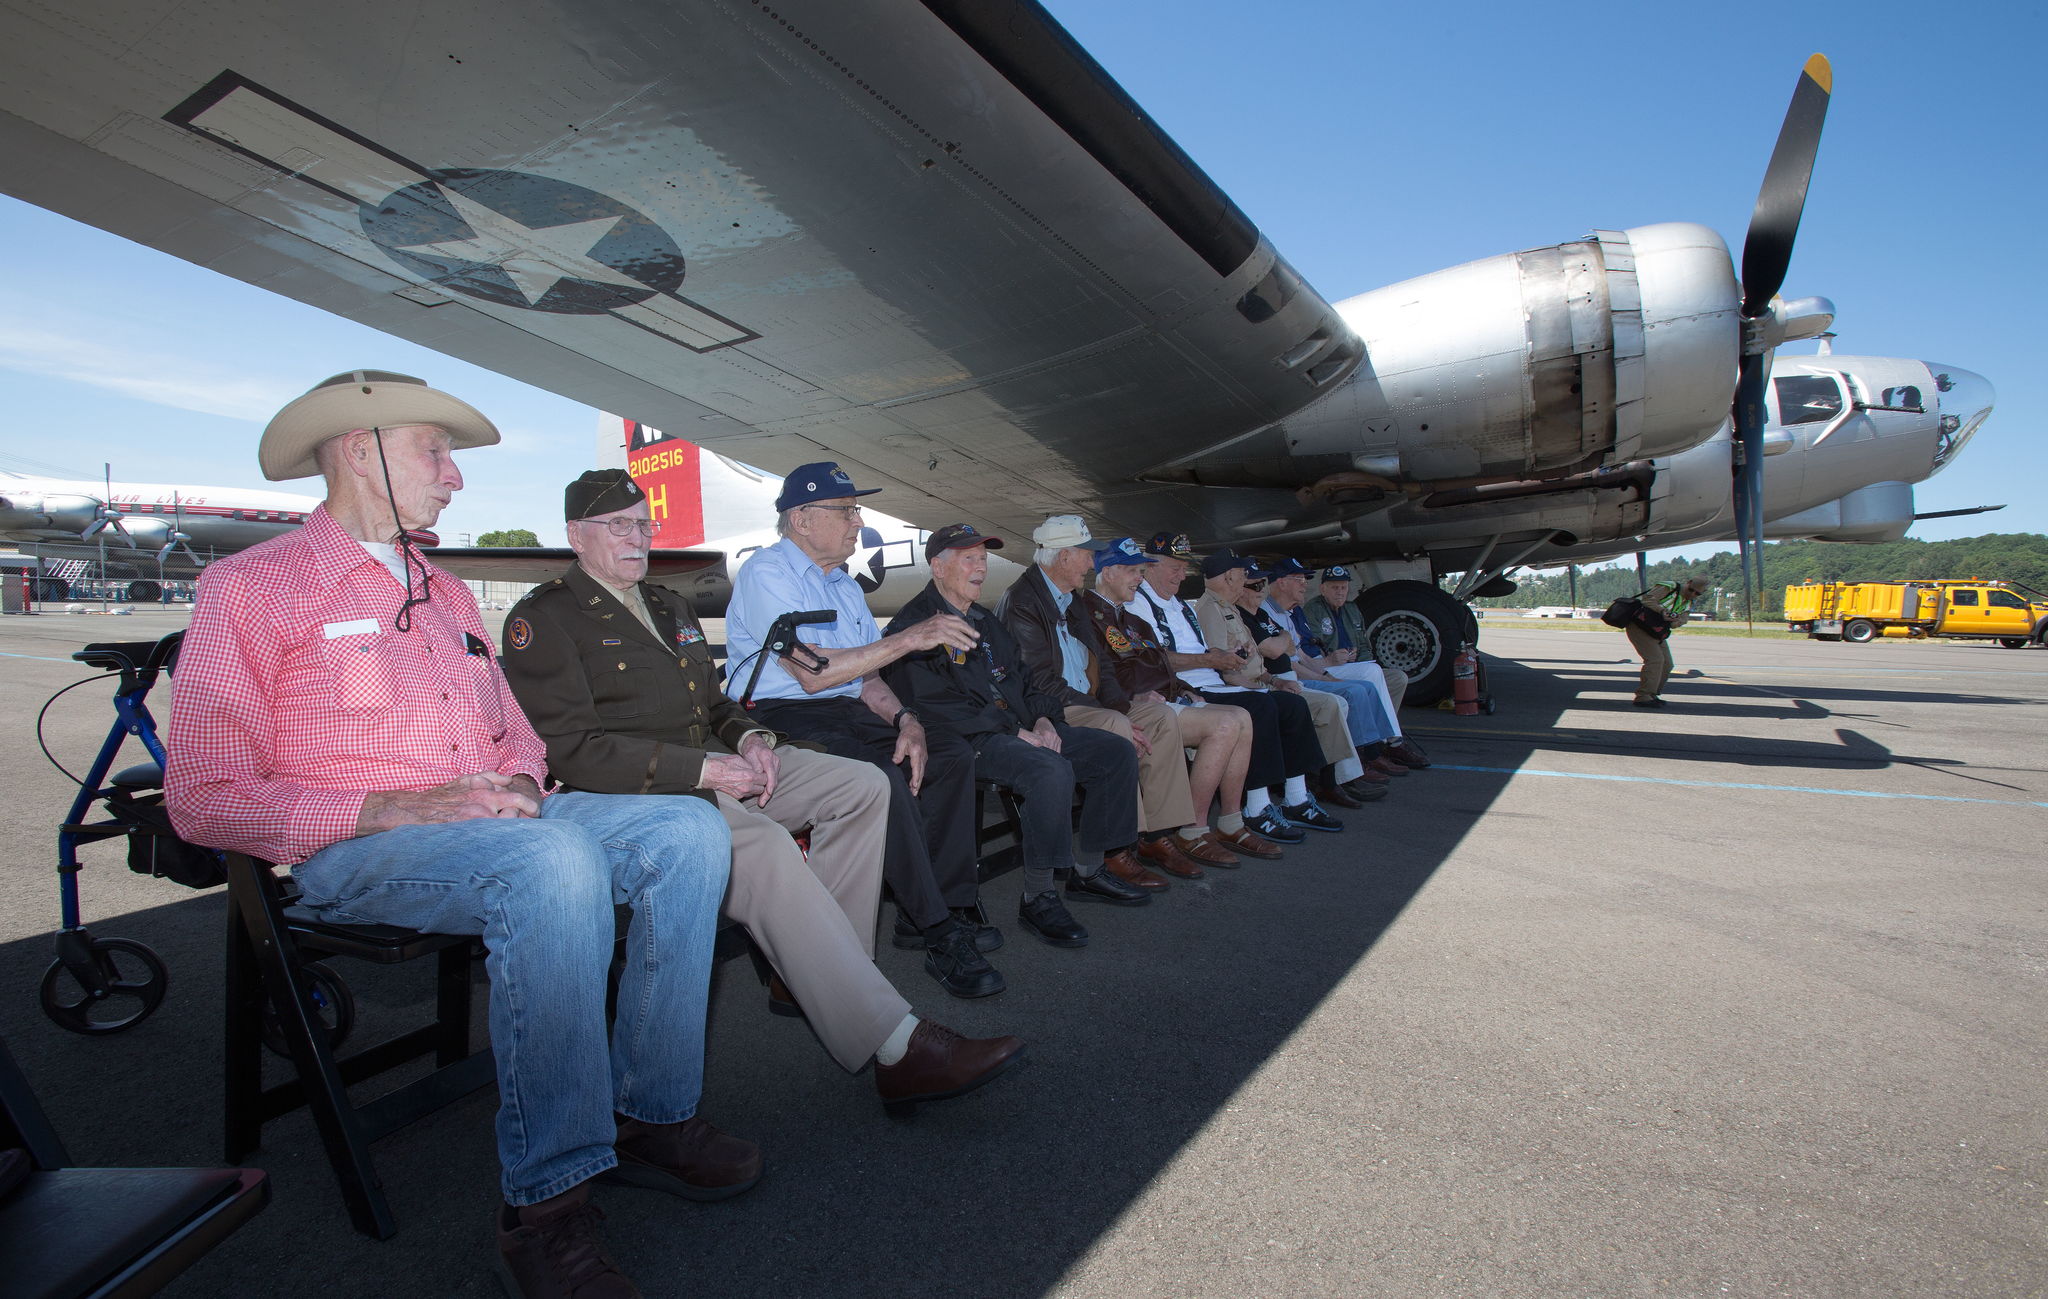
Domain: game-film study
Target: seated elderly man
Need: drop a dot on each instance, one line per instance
(339, 710)
(834, 697)
(1284, 728)
(1368, 713)
(617, 678)
(1350, 785)
(986, 695)
(1133, 667)
(1330, 618)
(1044, 614)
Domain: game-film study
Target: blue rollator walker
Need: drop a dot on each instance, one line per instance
(103, 985)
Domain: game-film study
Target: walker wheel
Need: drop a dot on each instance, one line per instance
(328, 999)
(125, 987)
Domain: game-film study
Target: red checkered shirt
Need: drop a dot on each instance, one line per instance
(294, 697)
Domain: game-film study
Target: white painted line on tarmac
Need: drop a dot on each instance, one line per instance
(1731, 784)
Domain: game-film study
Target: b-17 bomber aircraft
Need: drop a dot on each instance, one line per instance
(935, 241)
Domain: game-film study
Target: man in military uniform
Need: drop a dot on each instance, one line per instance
(617, 678)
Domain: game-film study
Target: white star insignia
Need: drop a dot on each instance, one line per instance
(535, 258)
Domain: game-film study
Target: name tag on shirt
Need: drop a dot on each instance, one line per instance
(355, 628)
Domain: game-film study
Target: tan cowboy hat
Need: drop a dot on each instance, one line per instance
(362, 399)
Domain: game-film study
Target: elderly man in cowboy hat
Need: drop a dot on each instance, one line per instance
(829, 690)
(617, 676)
(339, 710)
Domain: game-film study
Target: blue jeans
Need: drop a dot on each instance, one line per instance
(1366, 716)
(540, 891)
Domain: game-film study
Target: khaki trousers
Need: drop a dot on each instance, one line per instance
(1164, 802)
(1332, 731)
(815, 921)
(1656, 656)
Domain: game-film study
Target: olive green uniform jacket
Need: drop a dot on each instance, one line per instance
(622, 710)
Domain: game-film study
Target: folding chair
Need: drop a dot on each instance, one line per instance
(270, 944)
(68, 1232)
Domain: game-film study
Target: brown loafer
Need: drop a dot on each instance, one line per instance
(1208, 850)
(1244, 841)
(1408, 754)
(1163, 853)
(1335, 796)
(1386, 766)
(691, 1159)
(1369, 774)
(940, 1064)
(1131, 871)
(551, 1250)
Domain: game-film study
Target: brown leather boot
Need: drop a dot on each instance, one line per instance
(1132, 871)
(940, 1064)
(551, 1250)
(691, 1159)
(1167, 856)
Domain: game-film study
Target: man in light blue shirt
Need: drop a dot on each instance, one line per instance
(830, 692)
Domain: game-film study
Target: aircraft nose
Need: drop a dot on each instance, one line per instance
(1966, 399)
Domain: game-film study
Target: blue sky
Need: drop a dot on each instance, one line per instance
(1370, 143)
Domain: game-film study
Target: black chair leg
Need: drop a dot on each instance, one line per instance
(256, 897)
(451, 1004)
(242, 1093)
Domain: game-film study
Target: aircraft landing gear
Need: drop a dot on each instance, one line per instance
(1417, 627)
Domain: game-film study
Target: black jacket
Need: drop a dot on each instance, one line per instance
(987, 692)
(1028, 612)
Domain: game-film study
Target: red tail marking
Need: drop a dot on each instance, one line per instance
(666, 469)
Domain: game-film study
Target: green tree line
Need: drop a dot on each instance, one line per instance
(2011, 556)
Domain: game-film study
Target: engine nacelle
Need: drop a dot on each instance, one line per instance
(1619, 347)
(52, 513)
(1879, 512)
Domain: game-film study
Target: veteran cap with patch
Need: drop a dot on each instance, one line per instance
(600, 491)
(959, 536)
(1122, 551)
(823, 480)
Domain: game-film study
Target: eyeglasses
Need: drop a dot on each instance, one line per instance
(850, 511)
(627, 527)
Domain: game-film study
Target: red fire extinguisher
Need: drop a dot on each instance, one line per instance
(1465, 683)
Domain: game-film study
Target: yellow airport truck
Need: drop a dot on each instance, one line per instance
(1972, 608)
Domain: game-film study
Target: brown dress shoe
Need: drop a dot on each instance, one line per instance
(1163, 853)
(1208, 850)
(1369, 775)
(551, 1250)
(1408, 754)
(781, 1001)
(1387, 766)
(1244, 841)
(1132, 871)
(940, 1064)
(691, 1159)
(1334, 795)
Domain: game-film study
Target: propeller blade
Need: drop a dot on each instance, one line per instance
(1749, 474)
(1767, 250)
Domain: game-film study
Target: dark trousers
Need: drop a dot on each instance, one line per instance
(931, 862)
(1102, 763)
(1283, 735)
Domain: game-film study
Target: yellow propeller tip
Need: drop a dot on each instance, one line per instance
(1822, 72)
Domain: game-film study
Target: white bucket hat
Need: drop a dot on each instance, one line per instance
(362, 399)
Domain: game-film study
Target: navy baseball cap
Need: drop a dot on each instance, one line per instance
(1171, 545)
(1222, 562)
(1336, 573)
(958, 536)
(1285, 566)
(1122, 551)
(822, 481)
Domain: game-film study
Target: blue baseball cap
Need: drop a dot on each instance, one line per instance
(1222, 562)
(1285, 566)
(822, 481)
(1122, 551)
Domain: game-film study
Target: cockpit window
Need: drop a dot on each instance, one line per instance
(1807, 399)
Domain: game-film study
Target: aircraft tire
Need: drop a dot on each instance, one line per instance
(145, 592)
(1416, 627)
(1859, 630)
(52, 590)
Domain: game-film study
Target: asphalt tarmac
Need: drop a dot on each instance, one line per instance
(1740, 997)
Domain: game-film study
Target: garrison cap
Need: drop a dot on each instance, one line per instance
(600, 491)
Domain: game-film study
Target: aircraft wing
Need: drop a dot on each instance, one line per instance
(537, 564)
(930, 239)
